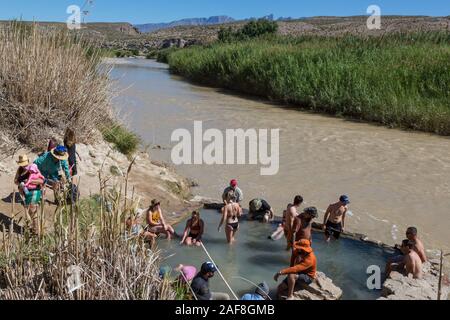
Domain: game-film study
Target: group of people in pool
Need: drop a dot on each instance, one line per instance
(296, 227)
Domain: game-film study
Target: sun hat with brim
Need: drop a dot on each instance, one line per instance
(303, 245)
(60, 153)
(23, 161)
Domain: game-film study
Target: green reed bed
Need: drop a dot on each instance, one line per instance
(400, 80)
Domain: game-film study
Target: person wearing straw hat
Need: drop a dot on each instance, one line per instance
(53, 165)
(21, 173)
(303, 270)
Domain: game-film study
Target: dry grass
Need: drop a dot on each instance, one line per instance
(49, 80)
(88, 241)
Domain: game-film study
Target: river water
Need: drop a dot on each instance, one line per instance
(394, 178)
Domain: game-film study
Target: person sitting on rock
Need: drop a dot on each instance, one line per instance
(410, 262)
(411, 234)
(156, 222)
(302, 271)
(261, 293)
(234, 188)
(135, 229)
(260, 210)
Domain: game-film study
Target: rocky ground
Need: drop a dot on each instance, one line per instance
(399, 287)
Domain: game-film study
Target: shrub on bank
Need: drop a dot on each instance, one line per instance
(49, 80)
(400, 80)
(124, 140)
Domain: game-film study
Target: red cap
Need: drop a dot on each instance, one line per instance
(233, 183)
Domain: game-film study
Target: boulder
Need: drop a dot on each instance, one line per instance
(400, 287)
(322, 288)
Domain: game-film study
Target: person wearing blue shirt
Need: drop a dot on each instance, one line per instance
(53, 165)
(261, 293)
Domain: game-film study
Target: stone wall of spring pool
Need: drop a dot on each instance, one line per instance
(257, 258)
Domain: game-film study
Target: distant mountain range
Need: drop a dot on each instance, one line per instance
(150, 27)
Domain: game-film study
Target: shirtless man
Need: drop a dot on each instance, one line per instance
(334, 220)
(411, 234)
(303, 224)
(412, 262)
(231, 214)
(290, 214)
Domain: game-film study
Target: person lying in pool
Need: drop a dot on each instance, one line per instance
(334, 220)
(302, 271)
(302, 226)
(231, 214)
(194, 230)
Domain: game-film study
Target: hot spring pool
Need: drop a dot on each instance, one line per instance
(257, 258)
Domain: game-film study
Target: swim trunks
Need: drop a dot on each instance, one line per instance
(334, 229)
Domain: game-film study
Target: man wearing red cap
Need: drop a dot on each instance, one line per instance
(233, 188)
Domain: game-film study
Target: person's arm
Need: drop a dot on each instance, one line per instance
(302, 266)
(163, 221)
(409, 266)
(343, 219)
(224, 213)
(272, 214)
(325, 218)
(16, 178)
(65, 167)
(202, 230)
(185, 233)
(224, 196)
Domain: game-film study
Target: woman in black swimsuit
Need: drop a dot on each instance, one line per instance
(193, 231)
(231, 214)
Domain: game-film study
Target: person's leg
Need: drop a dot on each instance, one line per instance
(220, 296)
(198, 243)
(229, 233)
(188, 241)
(291, 279)
(32, 212)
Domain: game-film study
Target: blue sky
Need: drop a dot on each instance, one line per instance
(139, 11)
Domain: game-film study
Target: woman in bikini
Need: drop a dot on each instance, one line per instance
(193, 231)
(231, 214)
(156, 222)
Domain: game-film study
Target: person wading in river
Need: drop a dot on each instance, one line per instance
(193, 231)
(235, 189)
(334, 220)
(231, 214)
(290, 214)
(303, 224)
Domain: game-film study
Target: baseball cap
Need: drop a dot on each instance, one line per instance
(233, 183)
(344, 199)
(208, 267)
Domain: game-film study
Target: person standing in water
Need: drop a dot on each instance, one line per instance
(334, 220)
(290, 214)
(303, 224)
(193, 231)
(235, 189)
(231, 214)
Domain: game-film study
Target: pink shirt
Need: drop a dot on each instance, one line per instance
(33, 176)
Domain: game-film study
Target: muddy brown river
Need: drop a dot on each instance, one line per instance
(394, 178)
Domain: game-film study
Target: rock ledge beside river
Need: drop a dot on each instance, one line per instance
(400, 287)
(322, 288)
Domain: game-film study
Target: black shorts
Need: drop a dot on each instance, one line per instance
(334, 229)
(193, 236)
(235, 226)
(303, 278)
